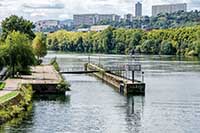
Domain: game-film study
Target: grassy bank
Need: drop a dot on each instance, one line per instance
(12, 104)
(63, 85)
(8, 96)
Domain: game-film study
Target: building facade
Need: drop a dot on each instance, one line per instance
(84, 19)
(98, 28)
(92, 19)
(138, 9)
(170, 8)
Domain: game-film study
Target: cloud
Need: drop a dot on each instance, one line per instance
(38, 14)
(44, 6)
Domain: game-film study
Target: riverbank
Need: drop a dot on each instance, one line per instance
(13, 103)
(17, 94)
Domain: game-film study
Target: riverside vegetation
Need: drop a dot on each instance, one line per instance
(2, 85)
(15, 102)
(63, 85)
(177, 41)
(20, 48)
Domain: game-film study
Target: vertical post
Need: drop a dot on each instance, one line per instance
(99, 61)
(133, 105)
(143, 77)
(133, 76)
(89, 59)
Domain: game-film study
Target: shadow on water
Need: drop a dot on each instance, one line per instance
(135, 111)
(57, 98)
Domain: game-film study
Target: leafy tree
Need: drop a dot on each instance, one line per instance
(180, 41)
(39, 45)
(2, 55)
(197, 49)
(120, 48)
(20, 53)
(167, 48)
(149, 47)
(15, 23)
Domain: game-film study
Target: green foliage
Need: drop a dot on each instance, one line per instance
(19, 53)
(12, 110)
(39, 45)
(55, 64)
(2, 85)
(63, 86)
(149, 47)
(15, 23)
(3, 54)
(180, 41)
(167, 48)
(8, 96)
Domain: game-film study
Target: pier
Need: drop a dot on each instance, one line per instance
(109, 74)
(122, 84)
(43, 79)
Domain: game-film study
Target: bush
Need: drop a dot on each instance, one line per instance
(63, 86)
(10, 111)
(167, 48)
(2, 85)
(55, 64)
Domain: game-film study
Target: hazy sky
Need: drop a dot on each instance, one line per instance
(64, 9)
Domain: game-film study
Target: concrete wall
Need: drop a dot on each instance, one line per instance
(46, 89)
(122, 85)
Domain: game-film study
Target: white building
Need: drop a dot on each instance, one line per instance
(99, 28)
(92, 19)
(169, 8)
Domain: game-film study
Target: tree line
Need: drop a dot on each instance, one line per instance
(161, 21)
(174, 41)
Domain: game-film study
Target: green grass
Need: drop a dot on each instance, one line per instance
(8, 96)
(2, 85)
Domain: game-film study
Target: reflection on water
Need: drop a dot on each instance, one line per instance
(58, 98)
(171, 103)
(25, 122)
(9, 126)
(135, 110)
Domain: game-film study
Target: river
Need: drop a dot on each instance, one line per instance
(171, 103)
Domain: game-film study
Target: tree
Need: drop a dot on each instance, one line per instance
(167, 48)
(2, 55)
(148, 47)
(20, 53)
(121, 40)
(15, 23)
(39, 45)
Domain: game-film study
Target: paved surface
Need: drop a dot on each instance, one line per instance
(40, 75)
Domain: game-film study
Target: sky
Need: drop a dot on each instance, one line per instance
(64, 9)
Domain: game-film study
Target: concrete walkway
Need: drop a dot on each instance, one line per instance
(40, 75)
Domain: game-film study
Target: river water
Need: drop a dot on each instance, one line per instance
(171, 103)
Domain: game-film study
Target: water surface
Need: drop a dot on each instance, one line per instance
(171, 103)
